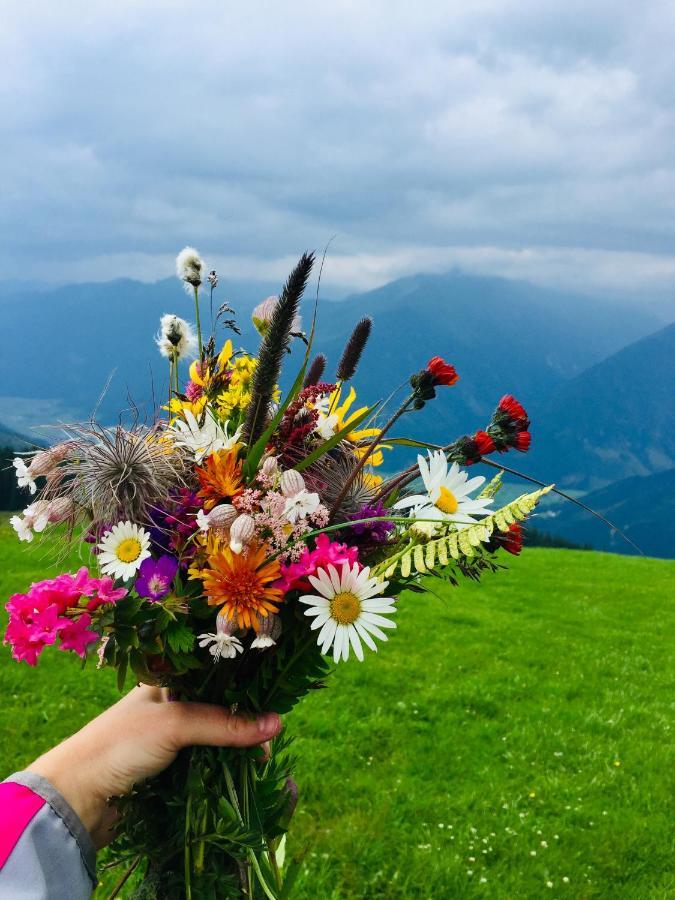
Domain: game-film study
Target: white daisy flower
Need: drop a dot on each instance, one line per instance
(222, 644)
(23, 476)
(348, 610)
(123, 549)
(176, 339)
(447, 497)
(204, 439)
(301, 505)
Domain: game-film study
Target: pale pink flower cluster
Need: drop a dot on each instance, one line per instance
(273, 524)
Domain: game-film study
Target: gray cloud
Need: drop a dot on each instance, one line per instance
(532, 139)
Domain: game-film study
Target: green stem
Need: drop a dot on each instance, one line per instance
(234, 800)
(123, 880)
(199, 323)
(310, 640)
(368, 453)
(186, 859)
(172, 366)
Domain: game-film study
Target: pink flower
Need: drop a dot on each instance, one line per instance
(106, 593)
(19, 637)
(295, 575)
(76, 636)
(38, 617)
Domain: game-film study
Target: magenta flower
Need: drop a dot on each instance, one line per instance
(53, 609)
(106, 593)
(75, 635)
(155, 577)
(294, 575)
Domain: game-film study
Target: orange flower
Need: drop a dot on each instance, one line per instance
(220, 477)
(241, 585)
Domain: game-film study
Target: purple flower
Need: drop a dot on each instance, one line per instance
(155, 577)
(373, 532)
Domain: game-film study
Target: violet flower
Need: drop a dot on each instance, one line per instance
(155, 577)
(373, 532)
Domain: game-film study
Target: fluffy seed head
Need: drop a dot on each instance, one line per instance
(189, 265)
(175, 339)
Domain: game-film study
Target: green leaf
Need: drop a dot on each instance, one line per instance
(411, 442)
(122, 673)
(179, 637)
(331, 442)
(254, 455)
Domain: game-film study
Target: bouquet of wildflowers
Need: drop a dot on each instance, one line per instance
(241, 546)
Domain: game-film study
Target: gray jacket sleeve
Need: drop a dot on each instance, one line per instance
(53, 858)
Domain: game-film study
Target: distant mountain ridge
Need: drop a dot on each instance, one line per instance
(616, 419)
(642, 507)
(503, 336)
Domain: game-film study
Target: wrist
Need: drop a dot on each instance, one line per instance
(75, 779)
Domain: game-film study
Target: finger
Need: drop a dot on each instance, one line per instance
(207, 724)
(266, 752)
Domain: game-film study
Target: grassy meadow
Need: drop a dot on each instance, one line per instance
(512, 740)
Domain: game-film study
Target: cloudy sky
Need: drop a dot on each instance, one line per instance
(531, 139)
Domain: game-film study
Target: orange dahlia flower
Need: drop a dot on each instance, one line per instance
(220, 477)
(241, 584)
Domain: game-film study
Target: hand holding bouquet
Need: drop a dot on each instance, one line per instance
(241, 545)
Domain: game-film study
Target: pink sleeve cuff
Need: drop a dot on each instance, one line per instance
(18, 805)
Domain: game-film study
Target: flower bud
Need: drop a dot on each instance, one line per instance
(292, 483)
(241, 532)
(60, 509)
(268, 630)
(224, 625)
(270, 467)
(222, 516)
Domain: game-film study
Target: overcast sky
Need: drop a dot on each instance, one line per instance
(530, 139)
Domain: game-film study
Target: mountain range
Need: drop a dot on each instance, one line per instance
(641, 506)
(597, 378)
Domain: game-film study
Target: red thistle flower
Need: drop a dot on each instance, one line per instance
(442, 372)
(522, 441)
(513, 408)
(484, 443)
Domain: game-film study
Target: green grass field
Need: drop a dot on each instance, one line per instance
(511, 741)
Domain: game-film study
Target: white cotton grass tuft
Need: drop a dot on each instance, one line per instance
(176, 339)
(189, 267)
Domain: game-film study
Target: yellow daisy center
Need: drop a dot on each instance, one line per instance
(129, 550)
(345, 607)
(447, 502)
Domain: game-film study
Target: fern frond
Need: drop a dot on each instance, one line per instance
(422, 559)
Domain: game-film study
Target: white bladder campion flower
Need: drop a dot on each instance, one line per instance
(302, 504)
(176, 339)
(23, 475)
(223, 644)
